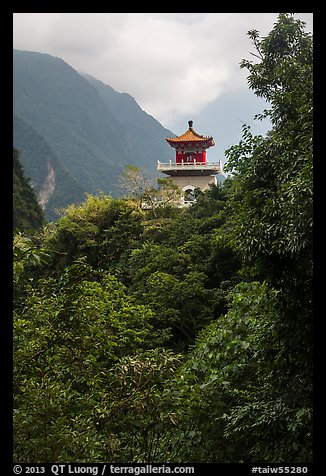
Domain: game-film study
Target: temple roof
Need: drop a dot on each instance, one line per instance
(191, 136)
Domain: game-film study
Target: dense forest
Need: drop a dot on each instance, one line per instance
(179, 334)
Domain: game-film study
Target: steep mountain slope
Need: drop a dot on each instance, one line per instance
(92, 130)
(27, 213)
(53, 184)
(145, 136)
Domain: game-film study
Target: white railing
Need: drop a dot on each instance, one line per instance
(179, 166)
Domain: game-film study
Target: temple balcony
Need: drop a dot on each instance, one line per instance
(189, 168)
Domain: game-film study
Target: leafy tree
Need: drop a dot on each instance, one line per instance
(135, 182)
(231, 398)
(66, 338)
(183, 305)
(140, 186)
(151, 257)
(168, 193)
(173, 282)
(141, 412)
(28, 259)
(273, 193)
(26, 254)
(272, 204)
(271, 215)
(101, 228)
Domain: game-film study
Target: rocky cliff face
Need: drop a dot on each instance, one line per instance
(48, 187)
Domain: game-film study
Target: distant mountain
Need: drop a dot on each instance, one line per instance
(75, 133)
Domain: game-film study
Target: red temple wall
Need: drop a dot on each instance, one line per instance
(200, 157)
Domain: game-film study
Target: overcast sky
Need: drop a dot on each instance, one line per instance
(178, 66)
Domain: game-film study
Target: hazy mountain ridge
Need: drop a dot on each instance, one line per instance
(91, 130)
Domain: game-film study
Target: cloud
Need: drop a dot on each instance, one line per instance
(172, 63)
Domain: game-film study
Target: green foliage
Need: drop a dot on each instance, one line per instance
(184, 277)
(183, 335)
(28, 258)
(101, 228)
(76, 325)
(141, 412)
(271, 223)
(233, 390)
(182, 305)
(139, 185)
(26, 253)
(67, 337)
(274, 188)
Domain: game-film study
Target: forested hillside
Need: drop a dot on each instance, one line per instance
(27, 213)
(54, 186)
(180, 335)
(91, 130)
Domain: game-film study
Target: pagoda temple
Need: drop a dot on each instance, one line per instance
(191, 169)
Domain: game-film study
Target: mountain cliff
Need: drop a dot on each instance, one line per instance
(75, 133)
(27, 213)
(54, 186)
